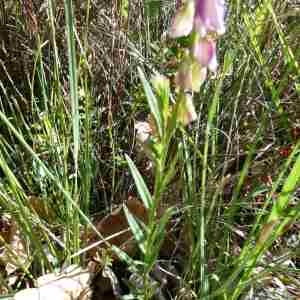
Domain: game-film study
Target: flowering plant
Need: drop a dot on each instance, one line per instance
(204, 21)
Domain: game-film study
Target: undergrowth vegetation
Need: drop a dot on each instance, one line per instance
(107, 162)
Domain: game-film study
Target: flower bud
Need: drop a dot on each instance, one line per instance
(190, 76)
(204, 50)
(186, 110)
(183, 22)
(160, 83)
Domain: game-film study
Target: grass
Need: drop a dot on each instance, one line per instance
(74, 82)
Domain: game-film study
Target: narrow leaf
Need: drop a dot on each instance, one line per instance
(287, 190)
(123, 256)
(136, 229)
(158, 237)
(152, 101)
(140, 183)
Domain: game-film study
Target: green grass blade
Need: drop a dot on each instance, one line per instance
(287, 190)
(73, 81)
(140, 183)
(47, 172)
(73, 78)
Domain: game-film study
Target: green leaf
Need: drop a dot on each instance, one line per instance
(136, 229)
(161, 228)
(140, 183)
(123, 256)
(171, 170)
(157, 238)
(153, 103)
(288, 189)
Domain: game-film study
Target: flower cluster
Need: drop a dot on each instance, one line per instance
(205, 19)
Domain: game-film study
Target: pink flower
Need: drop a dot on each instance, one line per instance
(203, 16)
(204, 50)
(209, 17)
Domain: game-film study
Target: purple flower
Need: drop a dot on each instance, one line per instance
(209, 17)
(204, 50)
(206, 19)
(202, 16)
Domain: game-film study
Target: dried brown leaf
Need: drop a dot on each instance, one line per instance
(115, 226)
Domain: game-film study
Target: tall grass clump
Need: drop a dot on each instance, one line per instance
(54, 177)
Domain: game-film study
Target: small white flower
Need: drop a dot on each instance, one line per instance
(143, 131)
